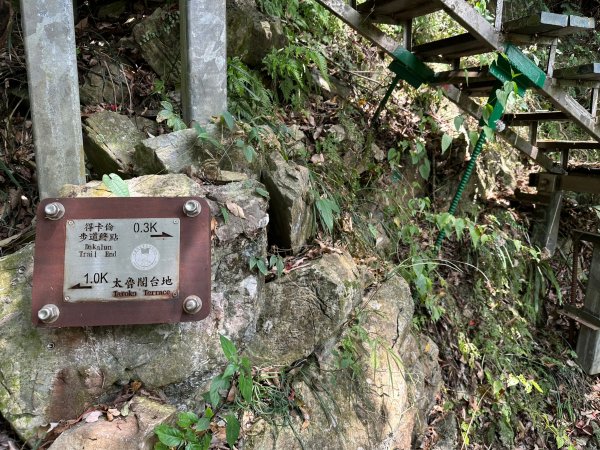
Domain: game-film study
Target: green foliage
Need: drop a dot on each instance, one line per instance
(194, 432)
(265, 267)
(248, 98)
(328, 210)
(301, 16)
(115, 184)
(289, 68)
(170, 116)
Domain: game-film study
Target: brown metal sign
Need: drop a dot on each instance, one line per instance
(121, 261)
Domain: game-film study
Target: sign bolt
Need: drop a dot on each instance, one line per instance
(192, 208)
(49, 313)
(54, 211)
(192, 304)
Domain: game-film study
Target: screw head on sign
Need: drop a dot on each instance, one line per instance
(192, 208)
(54, 210)
(192, 304)
(48, 313)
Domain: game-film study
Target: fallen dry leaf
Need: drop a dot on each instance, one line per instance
(93, 416)
(235, 209)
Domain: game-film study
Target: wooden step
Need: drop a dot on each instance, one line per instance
(463, 76)
(550, 146)
(451, 48)
(588, 72)
(582, 315)
(526, 118)
(549, 24)
(396, 11)
(537, 23)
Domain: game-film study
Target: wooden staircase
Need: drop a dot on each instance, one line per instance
(461, 84)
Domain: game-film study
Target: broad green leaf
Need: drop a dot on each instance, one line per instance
(325, 213)
(160, 446)
(262, 267)
(489, 133)
(252, 262)
(473, 136)
(225, 213)
(392, 152)
(262, 192)
(205, 442)
(229, 370)
(502, 97)
(425, 169)
(168, 435)
(446, 142)
(458, 121)
(176, 123)
(228, 349)
(279, 266)
(217, 385)
(459, 227)
(164, 114)
(186, 419)
(245, 385)
(232, 429)
(167, 105)
(116, 185)
(229, 120)
(208, 413)
(373, 231)
(194, 446)
(203, 424)
(272, 260)
(249, 153)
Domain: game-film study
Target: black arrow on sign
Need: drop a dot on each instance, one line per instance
(79, 286)
(163, 235)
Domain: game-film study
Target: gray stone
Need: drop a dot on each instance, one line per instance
(49, 38)
(167, 153)
(378, 407)
(158, 38)
(292, 215)
(112, 10)
(305, 310)
(110, 140)
(133, 432)
(251, 34)
(59, 372)
(105, 82)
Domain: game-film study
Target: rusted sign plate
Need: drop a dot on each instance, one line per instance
(117, 261)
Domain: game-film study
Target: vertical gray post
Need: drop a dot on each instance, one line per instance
(588, 344)
(204, 59)
(54, 93)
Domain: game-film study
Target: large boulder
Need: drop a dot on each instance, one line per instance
(109, 142)
(105, 82)
(53, 374)
(292, 215)
(134, 431)
(167, 153)
(304, 312)
(374, 405)
(158, 38)
(251, 34)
